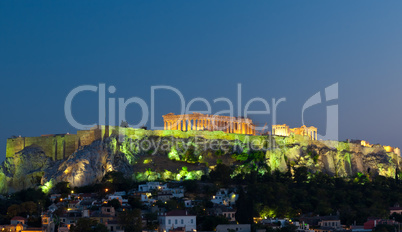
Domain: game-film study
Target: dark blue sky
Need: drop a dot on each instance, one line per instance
(275, 49)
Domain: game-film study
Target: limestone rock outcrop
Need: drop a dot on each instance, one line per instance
(31, 167)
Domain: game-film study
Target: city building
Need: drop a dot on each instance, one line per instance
(177, 219)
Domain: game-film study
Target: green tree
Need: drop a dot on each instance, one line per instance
(115, 204)
(62, 187)
(209, 223)
(131, 220)
(244, 214)
(13, 210)
(29, 207)
(88, 225)
(221, 174)
(152, 220)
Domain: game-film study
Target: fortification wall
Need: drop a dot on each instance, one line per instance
(14, 145)
(60, 147)
(54, 146)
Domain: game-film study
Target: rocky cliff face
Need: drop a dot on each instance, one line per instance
(158, 157)
(25, 169)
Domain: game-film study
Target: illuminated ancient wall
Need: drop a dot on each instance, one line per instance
(58, 146)
(197, 121)
(284, 130)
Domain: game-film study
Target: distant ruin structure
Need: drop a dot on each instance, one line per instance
(284, 130)
(198, 121)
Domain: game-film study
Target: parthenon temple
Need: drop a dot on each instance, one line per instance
(284, 130)
(198, 121)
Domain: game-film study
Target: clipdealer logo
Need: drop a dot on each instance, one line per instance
(119, 105)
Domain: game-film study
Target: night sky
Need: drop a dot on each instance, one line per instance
(274, 49)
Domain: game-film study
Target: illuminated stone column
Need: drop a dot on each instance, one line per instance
(164, 126)
(212, 124)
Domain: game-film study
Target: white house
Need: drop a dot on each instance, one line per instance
(178, 192)
(119, 198)
(149, 186)
(333, 223)
(147, 199)
(233, 227)
(175, 219)
(222, 198)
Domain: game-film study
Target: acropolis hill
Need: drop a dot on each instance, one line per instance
(176, 154)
